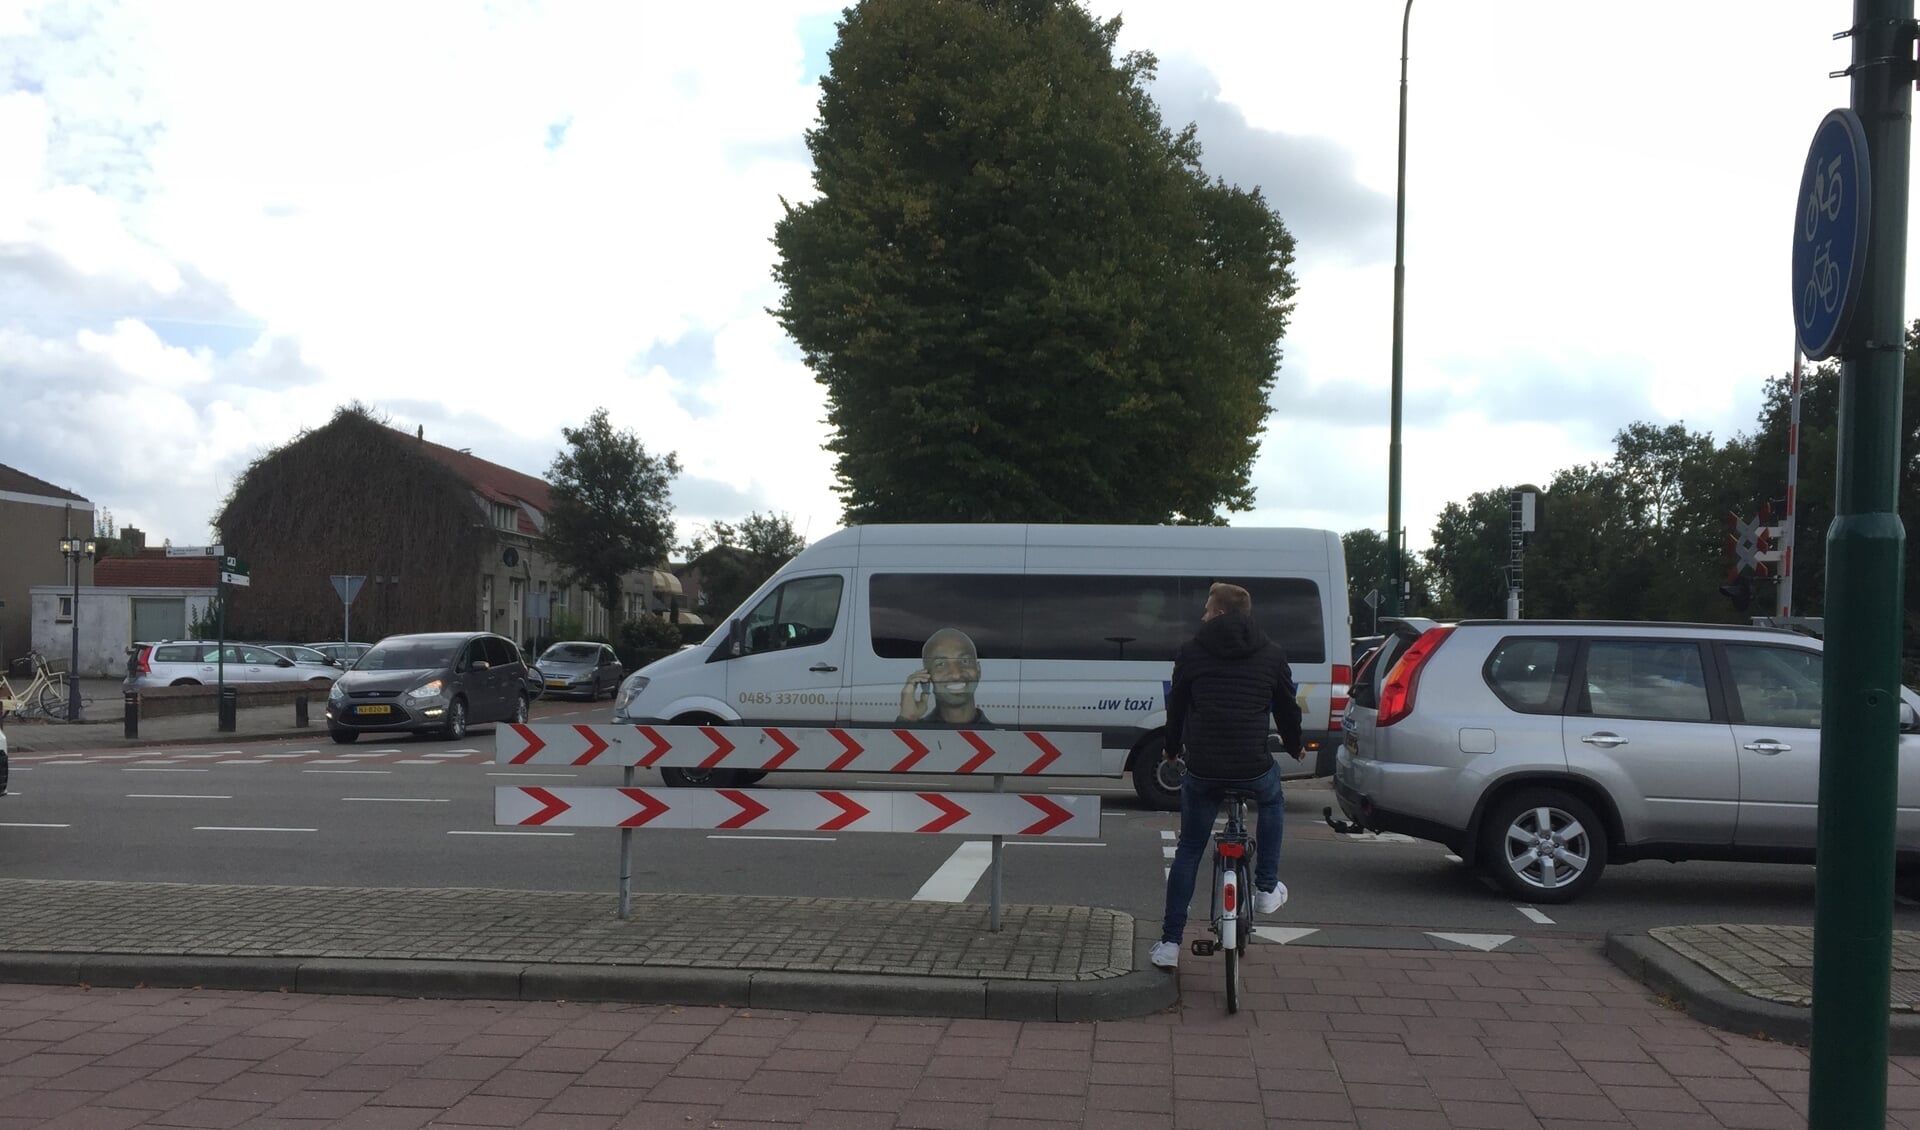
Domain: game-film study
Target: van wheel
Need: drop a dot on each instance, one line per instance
(704, 778)
(1155, 780)
(456, 727)
(1543, 845)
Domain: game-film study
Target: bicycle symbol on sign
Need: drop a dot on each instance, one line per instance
(1825, 198)
(1823, 284)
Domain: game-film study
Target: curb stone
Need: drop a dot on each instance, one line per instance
(1712, 1001)
(1140, 992)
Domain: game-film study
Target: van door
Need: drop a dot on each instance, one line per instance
(792, 658)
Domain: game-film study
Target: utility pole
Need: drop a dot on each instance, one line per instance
(1397, 537)
(1845, 194)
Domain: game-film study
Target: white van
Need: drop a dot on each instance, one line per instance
(1028, 626)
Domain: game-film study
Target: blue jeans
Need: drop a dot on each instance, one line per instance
(1199, 806)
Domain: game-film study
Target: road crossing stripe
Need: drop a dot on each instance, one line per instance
(956, 878)
(1530, 912)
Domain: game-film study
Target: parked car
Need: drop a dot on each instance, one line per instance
(301, 653)
(440, 682)
(1542, 751)
(344, 654)
(581, 669)
(185, 663)
(3, 759)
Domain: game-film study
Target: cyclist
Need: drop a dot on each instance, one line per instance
(1226, 681)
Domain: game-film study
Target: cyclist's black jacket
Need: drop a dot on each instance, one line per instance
(1226, 681)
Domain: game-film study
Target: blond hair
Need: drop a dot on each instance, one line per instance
(1229, 598)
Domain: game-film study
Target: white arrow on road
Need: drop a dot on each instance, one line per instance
(1486, 943)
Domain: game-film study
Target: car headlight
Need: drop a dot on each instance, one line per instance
(335, 693)
(629, 691)
(426, 691)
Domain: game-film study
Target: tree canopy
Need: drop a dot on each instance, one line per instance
(734, 560)
(1025, 299)
(609, 510)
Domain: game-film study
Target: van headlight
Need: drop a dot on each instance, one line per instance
(336, 693)
(629, 691)
(426, 691)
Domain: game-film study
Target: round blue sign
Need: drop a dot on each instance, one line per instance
(1830, 221)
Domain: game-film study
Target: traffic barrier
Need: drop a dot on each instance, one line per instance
(799, 810)
(980, 753)
(1014, 753)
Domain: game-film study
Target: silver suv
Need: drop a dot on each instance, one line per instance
(1543, 750)
(185, 663)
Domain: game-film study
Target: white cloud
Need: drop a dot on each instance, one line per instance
(219, 221)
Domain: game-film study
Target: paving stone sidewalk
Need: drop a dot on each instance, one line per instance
(1554, 1039)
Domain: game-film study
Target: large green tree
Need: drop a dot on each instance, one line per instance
(734, 560)
(1025, 299)
(610, 513)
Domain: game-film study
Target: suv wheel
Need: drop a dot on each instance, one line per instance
(1155, 779)
(1544, 845)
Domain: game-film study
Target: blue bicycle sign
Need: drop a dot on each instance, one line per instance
(1830, 234)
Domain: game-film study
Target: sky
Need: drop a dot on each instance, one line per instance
(220, 221)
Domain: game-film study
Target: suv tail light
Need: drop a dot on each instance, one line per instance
(1396, 697)
(146, 661)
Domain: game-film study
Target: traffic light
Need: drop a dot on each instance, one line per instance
(1740, 591)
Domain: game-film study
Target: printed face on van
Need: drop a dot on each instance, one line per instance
(953, 668)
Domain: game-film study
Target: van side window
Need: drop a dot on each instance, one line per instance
(1650, 679)
(474, 652)
(499, 652)
(1530, 673)
(800, 613)
(1078, 617)
(906, 608)
(1776, 686)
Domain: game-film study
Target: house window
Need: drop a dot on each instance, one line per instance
(505, 517)
(64, 613)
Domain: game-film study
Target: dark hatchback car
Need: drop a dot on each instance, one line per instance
(581, 669)
(439, 682)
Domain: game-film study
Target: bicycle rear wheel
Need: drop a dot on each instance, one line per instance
(52, 702)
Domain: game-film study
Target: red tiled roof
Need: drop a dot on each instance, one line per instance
(19, 482)
(153, 569)
(491, 480)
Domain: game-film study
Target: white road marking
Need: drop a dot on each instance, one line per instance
(399, 799)
(177, 796)
(212, 828)
(336, 761)
(509, 833)
(221, 753)
(1056, 843)
(295, 753)
(443, 755)
(567, 776)
(378, 752)
(466, 751)
(1530, 912)
(1285, 935)
(1485, 943)
(788, 839)
(956, 878)
(3, 825)
(141, 769)
(246, 761)
(354, 772)
(410, 763)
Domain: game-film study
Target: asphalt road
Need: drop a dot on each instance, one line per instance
(419, 813)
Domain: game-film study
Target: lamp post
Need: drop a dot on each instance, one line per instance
(1396, 569)
(73, 549)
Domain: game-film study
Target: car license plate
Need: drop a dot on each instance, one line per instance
(556, 682)
(373, 710)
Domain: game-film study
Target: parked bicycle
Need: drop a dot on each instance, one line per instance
(1232, 917)
(43, 697)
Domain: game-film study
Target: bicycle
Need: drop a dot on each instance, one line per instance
(45, 696)
(1232, 916)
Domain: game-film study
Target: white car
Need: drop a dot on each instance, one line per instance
(3, 763)
(186, 663)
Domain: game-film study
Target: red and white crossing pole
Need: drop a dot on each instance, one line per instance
(1787, 522)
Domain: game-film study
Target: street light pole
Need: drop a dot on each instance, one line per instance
(73, 549)
(1396, 537)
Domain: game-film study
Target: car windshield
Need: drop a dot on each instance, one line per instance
(570, 653)
(408, 655)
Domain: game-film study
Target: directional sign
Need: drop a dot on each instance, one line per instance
(1830, 225)
(795, 810)
(979, 752)
(196, 551)
(235, 579)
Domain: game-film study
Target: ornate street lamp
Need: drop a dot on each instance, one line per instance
(73, 549)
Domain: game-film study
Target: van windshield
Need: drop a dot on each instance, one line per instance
(408, 655)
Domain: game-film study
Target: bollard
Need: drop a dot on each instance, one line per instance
(132, 699)
(229, 709)
(300, 711)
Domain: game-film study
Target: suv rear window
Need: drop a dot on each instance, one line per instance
(1530, 673)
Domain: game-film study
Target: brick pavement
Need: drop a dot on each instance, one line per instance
(1556, 1039)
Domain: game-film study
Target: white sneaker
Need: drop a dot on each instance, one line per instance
(1266, 902)
(1166, 954)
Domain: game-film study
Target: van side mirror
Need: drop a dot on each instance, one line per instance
(480, 665)
(736, 637)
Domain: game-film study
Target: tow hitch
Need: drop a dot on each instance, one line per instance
(1344, 827)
